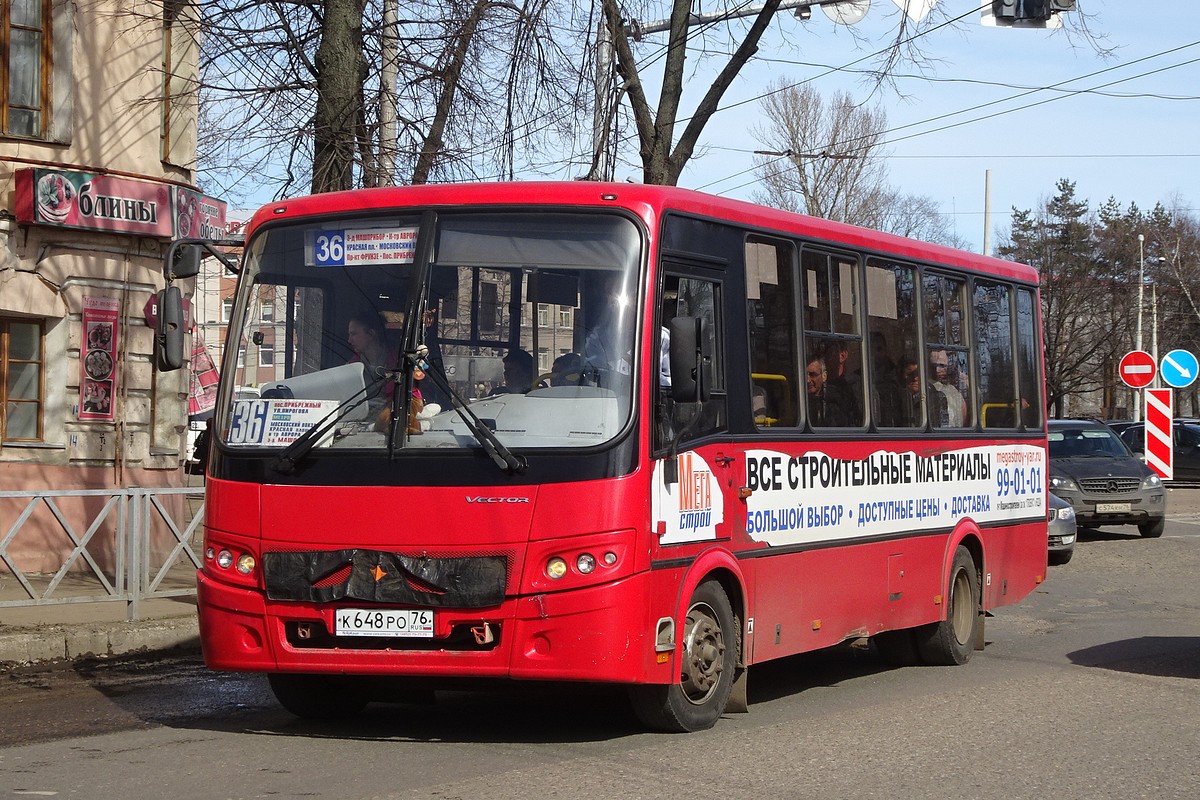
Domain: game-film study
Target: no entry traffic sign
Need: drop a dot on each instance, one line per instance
(1137, 369)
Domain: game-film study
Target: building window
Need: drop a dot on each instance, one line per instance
(25, 61)
(565, 316)
(226, 309)
(266, 354)
(267, 313)
(21, 369)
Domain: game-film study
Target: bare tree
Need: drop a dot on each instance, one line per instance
(826, 159)
(663, 147)
(292, 90)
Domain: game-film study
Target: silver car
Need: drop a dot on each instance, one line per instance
(1096, 473)
(1061, 517)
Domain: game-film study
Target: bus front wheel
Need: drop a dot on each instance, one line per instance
(319, 696)
(952, 640)
(707, 668)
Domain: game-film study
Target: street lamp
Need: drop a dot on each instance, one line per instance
(1141, 285)
(1137, 406)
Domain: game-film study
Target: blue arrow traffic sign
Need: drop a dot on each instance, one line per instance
(1179, 368)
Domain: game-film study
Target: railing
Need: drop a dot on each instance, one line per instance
(115, 545)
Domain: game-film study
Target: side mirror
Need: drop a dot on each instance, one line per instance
(689, 356)
(168, 337)
(182, 259)
(184, 263)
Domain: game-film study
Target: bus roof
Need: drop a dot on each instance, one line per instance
(649, 202)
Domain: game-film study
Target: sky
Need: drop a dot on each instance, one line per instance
(1029, 107)
(1125, 125)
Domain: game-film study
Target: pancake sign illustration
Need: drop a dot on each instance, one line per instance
(186, 207)
(98, 365)
(55, 198)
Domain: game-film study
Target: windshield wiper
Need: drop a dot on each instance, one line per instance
(287, 460)
(505, 459)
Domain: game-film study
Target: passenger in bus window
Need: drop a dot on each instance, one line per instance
(880, 360)
(567, 370)
(827, 405)
(518, 373)
(908, 398)
(758, 405)
(955, 415)
(845, 381)
(365, 334)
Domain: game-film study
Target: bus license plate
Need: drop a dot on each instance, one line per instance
(410, 622)
(1113, 508)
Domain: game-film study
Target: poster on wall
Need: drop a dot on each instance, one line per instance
(198, 216)
(98, 359)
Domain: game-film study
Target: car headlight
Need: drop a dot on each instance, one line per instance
(1067, 513)
(1151, 482)
(1062, 482)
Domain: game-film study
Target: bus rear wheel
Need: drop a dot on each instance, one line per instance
(951, 641)
(319, 696)
(707, 667)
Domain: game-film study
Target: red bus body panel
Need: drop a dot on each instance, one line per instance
(788, 599)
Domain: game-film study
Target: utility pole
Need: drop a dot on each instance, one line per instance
(987, 212)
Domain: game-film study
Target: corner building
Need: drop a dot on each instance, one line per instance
(97, 175)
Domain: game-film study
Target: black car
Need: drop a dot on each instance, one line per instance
(1094, 471)
(1185, 442)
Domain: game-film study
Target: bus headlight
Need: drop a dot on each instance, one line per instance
(245, 564)
(556, 568)
(585, 563)
(224, 559)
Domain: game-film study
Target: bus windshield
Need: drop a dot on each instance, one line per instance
(417, 331)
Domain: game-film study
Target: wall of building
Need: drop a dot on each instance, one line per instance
(110, 129)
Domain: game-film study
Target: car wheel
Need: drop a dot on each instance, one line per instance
(1152, 529)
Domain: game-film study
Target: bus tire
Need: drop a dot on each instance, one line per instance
(708, 664)
(319, 696)
(897, 648)
(951, 641)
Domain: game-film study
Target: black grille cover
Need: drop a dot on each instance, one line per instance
(382, 577)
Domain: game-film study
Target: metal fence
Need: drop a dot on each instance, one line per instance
(119, 545)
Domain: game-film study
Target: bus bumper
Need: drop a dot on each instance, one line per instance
(597, 633)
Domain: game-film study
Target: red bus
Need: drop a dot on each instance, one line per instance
(612, 433)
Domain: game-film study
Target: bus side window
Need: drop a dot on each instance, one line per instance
(694, 298)
(999, 404)
(946, 350)
(771, 317)
(895, 393)
(832, 340)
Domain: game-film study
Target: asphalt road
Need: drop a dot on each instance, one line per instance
(1088, 689)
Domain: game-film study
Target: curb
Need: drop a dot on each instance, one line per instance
(27, 646)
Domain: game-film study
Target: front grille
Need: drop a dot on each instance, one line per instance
(1110, 485)
(379, 576)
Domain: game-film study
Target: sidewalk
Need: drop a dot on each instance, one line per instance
(65, 631)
